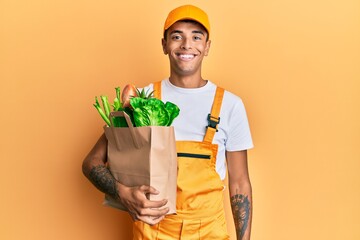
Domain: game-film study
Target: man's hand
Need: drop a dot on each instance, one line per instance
(133, 198)
(139, 207)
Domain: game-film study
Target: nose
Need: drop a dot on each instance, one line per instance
(186, 44)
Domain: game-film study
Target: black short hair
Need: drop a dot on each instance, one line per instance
(190, 21)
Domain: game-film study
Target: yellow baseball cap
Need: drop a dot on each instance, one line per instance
(187, 12)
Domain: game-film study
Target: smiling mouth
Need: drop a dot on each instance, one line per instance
(186, 56)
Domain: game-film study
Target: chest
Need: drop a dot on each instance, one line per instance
(192, 121)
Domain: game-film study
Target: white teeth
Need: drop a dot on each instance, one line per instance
(186, 56)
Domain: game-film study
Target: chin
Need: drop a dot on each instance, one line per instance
(186, 72)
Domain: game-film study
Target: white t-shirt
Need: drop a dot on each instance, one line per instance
(195, 105)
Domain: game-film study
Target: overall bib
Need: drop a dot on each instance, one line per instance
(199, 201)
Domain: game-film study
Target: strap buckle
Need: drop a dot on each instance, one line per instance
(213, 122)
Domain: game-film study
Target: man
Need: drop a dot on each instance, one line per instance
(212, 126)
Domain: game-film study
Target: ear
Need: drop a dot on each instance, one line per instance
(163, 43)
(207, 47)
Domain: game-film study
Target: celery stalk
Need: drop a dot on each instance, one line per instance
(101, 112)
(117, 103)
(117, 92)
(106, 105)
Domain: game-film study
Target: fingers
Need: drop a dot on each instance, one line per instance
(150, 216)
(152, 212)
(149, 204)
(149, 190)
(150, 220)
(141, 208)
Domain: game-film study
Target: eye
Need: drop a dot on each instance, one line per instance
(176, 37)
(197, 37)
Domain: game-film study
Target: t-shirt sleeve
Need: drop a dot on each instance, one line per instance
(239, 135)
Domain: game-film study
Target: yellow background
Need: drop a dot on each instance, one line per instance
(296, 65)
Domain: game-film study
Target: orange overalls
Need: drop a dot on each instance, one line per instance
(199, 202)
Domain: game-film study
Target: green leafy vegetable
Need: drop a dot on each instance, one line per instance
(173, 111)
(144, 109)
(153, 112)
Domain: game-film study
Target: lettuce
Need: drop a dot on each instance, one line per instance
(144, 109)
(153, 112)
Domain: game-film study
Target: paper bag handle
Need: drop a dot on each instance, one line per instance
(130, 126)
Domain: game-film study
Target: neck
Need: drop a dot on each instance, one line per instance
(187, 81)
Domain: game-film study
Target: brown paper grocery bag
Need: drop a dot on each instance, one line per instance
(143, 156)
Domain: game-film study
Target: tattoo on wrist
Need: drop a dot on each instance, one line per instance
(241, 212)
(101, 177)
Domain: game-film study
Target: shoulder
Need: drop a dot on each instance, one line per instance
(233, 107)
(231, 100)
(228, 95)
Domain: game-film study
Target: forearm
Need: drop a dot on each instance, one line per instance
(102, 179)
(241, 204)
(95, 169)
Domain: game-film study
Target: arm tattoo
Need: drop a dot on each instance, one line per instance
(101, 177)
(241, 211)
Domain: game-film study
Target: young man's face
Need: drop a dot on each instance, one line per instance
(186, 44)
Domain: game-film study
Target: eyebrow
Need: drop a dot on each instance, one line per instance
(195, 31)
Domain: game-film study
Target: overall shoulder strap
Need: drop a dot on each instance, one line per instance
(213, 117)
(157, 89)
